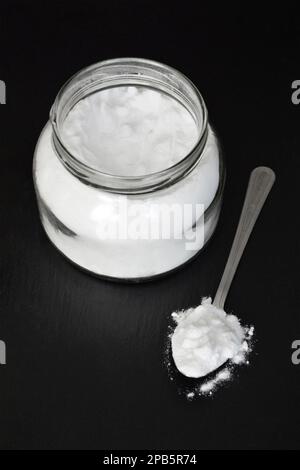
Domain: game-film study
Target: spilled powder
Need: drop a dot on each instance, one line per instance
(209, 386)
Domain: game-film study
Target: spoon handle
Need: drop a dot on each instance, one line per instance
(260, 183)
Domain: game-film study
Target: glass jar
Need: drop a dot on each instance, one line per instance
(131, 227)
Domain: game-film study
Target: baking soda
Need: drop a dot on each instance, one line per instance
(130, 131)
(205, 339)
(126, 131)
(208, 387)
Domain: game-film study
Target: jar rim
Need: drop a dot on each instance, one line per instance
(100, 74)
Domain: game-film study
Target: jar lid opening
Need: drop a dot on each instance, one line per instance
(127, 72)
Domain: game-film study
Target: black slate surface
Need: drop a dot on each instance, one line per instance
(84, 356)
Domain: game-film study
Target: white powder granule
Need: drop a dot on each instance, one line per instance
(208, 387)
(130, 130)
(205, 338)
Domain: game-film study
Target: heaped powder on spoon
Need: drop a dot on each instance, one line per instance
(204, 339)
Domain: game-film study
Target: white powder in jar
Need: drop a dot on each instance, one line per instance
(130, 131)
(73, 212)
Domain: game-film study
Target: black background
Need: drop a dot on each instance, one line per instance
(84, 356)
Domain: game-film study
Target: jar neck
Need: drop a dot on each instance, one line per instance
(124, 72)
